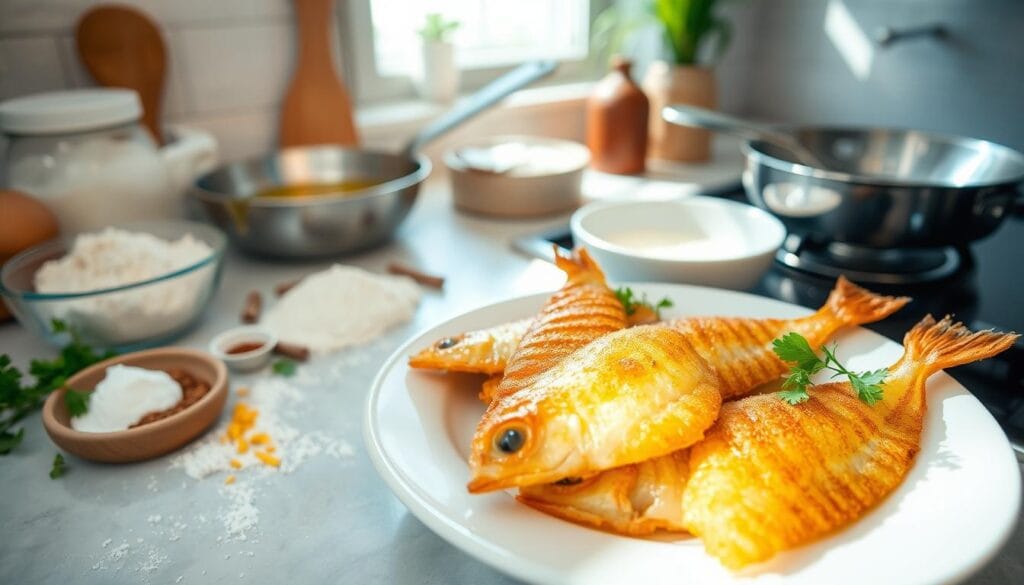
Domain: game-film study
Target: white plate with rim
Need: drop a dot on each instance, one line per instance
(948, 518)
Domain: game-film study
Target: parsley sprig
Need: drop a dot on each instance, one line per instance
(18, 398)
(284, 367)
(59, 466)
(794, 348)
(77, 402)
(632, 303)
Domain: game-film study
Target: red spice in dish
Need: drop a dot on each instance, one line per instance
(192, 389)
(243, 347)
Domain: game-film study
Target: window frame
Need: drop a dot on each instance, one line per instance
(369, 86)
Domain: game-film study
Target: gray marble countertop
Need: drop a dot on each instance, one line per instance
(332, 519)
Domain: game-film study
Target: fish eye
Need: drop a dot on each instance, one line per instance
(447, 342)
(510, 440)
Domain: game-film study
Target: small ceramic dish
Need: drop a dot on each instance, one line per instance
(151, 439)
(517, 176)
(258, 344)
(694, 240)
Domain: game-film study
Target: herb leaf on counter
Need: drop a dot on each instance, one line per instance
(77, 402)
(19, 399)
(59, 467)
(284, 368)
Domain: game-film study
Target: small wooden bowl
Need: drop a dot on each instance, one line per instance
(149, 440)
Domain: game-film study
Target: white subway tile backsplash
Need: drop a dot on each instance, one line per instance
(32, 16)
(29, 65)
(243, 67)
(192, 12)
(239, 135)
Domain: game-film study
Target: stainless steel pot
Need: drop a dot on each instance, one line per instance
(307, 226)
(882, 188)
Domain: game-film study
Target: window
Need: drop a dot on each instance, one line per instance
(385, 48)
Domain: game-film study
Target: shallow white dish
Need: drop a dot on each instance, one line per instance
(695, 240)
(248, 361)
(951, 514)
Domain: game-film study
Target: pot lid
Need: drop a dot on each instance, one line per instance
(69, 111)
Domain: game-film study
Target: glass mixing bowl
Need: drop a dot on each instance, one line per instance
(132, 316)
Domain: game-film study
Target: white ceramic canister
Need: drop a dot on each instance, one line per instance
(84, 153)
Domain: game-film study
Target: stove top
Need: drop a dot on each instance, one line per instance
(984, 288)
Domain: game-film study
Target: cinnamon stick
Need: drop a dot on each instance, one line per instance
(284, 287)
(252, 308)
(420, 277)
(299, 353)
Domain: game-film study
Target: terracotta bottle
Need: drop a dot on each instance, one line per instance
(617, 122)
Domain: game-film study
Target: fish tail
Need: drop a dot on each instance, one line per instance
(936, 345)
(579, 266)
(853, 305)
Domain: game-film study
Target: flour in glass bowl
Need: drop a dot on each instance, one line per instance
(115, 257)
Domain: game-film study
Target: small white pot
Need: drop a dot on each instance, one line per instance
(438, 79)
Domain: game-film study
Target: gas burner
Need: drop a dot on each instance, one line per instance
(870, 265)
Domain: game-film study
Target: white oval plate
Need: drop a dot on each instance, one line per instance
(950, 515)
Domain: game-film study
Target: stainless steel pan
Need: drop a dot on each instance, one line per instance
(329, 224)
(877, 187)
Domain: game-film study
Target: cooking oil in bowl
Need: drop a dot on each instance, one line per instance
(346, 187)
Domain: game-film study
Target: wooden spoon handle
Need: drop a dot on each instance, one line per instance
(317, 108)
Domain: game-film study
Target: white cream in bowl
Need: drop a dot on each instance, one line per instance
(695, 240)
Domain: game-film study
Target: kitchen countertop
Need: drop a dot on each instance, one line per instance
(332, 518)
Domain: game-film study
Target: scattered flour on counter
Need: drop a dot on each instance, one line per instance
(342, 306)
(242, 513)
(275, 400)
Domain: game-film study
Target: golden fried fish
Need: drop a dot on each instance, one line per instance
(484, 351)
(583, 310)
(725, 341)
(771, 476)
(628, 396)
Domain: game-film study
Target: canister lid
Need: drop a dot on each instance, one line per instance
(75, 110)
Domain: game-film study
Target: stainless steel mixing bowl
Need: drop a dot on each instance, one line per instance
(317, 225)
(309, 226)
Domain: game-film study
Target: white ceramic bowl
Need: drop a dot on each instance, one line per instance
(249, 334)
(694, 240)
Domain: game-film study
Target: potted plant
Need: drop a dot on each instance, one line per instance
(693, 37)
(439, 77)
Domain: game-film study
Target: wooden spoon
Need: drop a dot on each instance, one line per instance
(121, 47)
(317, 108)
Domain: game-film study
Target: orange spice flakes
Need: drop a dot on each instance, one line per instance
(229, 480)
(267, 458)
(243, 418)
(242, 392)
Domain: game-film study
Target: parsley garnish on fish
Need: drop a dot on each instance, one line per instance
(631, 303)
(793, 348)
(77, 402)
(58, 468)
(19, 399)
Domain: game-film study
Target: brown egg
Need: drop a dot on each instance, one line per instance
(24, 222)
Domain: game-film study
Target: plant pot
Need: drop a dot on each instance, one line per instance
(439, 77)
(667, 84)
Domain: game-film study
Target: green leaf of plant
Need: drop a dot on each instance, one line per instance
(284, 368)
(795, 396)
(58, 467)
(793, 347)
(9, 440)
(77, 402)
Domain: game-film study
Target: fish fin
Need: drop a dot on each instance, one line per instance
(854, 305)
(937, 345)
(489, 389)
(579, 266)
